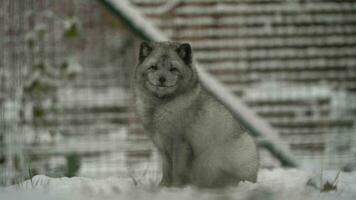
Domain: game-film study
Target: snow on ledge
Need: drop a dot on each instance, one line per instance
(272, 184)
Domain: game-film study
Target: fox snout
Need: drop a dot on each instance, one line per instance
(162, 79)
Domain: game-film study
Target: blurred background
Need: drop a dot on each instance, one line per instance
(66, 108)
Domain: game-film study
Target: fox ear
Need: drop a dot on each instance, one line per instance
(145, 50)
(185, 53)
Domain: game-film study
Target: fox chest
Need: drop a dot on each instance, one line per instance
(170, 122)
(166, 123)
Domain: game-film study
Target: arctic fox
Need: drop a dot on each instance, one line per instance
(199, 140)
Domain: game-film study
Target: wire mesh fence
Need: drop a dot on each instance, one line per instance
(65, 101)
(65, 91)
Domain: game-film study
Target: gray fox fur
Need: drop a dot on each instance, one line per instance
(199, 140)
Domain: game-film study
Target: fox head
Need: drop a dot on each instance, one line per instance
(165, 69)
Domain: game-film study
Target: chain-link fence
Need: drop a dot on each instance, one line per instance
(65, 99)
(65, 91)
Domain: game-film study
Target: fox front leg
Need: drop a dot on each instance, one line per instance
(166, 170)
(182, 157)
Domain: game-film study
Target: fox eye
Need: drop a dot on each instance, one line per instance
(173, 69)
(153, 67)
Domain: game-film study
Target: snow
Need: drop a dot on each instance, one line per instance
(272, 184)
(285, 52)
(89, 97)
(257, 31)
(278, 90)
(253, 19)
(301, 41)
(168, 6)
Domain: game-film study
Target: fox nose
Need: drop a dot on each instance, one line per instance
(162, 79)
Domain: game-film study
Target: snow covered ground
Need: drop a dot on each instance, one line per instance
(272, 184)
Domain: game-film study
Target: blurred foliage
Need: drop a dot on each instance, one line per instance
(70, 68)
(330, 186)
(39, 87)
(17, 162)
(38, 112)
(69, 169)
(73, 164)
(32, 172)
(71, 28)
(43, 79)
(36, 36)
